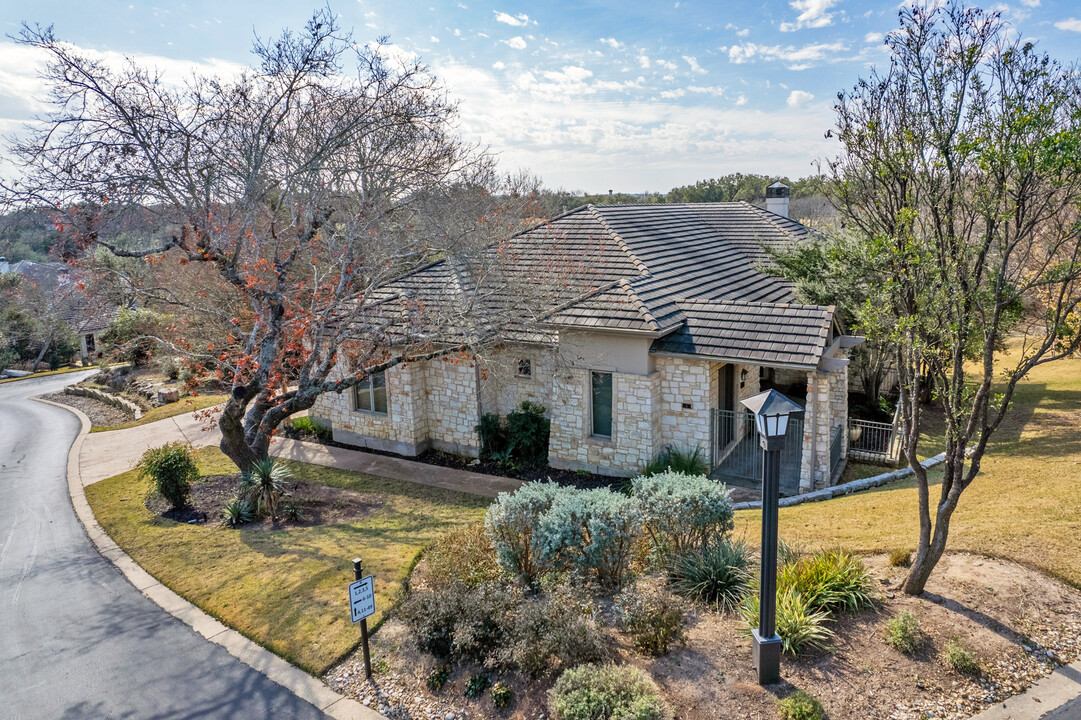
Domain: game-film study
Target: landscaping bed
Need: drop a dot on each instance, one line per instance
(285, 588)
(100, 413)
(314, 504)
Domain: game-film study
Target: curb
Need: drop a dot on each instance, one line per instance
(845, 489)
(255, 656)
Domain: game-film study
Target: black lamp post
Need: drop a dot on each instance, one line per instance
(771, 410)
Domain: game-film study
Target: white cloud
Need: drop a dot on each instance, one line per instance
(797, 58)
(695, 67)
(673, 94)
(498, 65)
(796, 98)
(667, 64)
(742, 33)
(1031, 3)
(715, 90)
(515, 42)
(457, 32)
(873, 37)
(741, 99)
(1069, 24)
(812, 14)
(612, 43)
(433, 38)
(643, 61)
(519, 20)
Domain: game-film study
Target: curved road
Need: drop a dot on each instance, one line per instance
(76, 639)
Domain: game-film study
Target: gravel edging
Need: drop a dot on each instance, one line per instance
(255, 656)
(845, 489)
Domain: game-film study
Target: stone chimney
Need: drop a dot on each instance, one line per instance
(777, 198)
(4, 267)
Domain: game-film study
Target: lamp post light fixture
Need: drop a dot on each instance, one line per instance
(771, 410)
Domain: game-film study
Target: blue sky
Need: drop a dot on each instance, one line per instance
(630, 96)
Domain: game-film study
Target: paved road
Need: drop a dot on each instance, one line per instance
(76, 639)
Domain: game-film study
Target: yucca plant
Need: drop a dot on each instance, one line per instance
(831, 581)
(718, 574)
(264, 485)
(236, 513)
(800, 626)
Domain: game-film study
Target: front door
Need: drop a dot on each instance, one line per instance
(726, 402)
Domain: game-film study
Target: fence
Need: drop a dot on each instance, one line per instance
(836, 443)
(874, 442)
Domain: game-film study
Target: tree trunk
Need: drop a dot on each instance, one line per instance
(234, 441)
(44, 349)
(927, 556)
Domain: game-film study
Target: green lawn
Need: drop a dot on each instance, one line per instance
(285, 589)
(181, 406)
(1024, 506)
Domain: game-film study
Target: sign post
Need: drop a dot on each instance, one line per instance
(361, 606)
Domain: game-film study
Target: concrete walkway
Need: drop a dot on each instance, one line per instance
(105, 454)
(1056, 697)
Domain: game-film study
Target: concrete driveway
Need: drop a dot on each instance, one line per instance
(77, 640)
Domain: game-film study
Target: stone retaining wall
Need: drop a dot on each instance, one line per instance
(116, 401)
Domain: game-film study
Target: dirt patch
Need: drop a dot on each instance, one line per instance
(318, 504)
(101, 414)
(1019, 624)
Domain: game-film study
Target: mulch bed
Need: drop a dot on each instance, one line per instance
(318, 504)
(572, 478)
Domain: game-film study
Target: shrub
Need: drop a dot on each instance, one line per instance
(527, 433)
(463, 555)
(511, 524)
(683, 512)
(593, 530)
(673, 459)
(903, 633)
(171, 468)
(718, 574)
(502, 696)
(830, 580)
(800, 706)
(459, 622)
(131, 334)
(438, 677)
(477, 685)
(492, 435)
(169, 367)
(554, 632)
(800, 626)
(264, 485)
(962, 660)
(606, 692)
(306, 426)
(652, 617)
(901, 557)
(237, 512)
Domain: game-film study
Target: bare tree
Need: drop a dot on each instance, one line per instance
(303, 187)
(960, 169)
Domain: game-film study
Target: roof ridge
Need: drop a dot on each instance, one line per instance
(581, 298)
(772, 217)
(549, 221)
(757, 303)
(620, 242)
(639, 305)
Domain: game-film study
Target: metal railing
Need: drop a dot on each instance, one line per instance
(836, 443)
(874, 442)
(735, 453)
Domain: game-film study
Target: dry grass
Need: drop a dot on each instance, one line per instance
(1025, 505)
(285, 589)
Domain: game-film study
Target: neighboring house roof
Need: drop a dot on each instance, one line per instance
(688, 274)
(83, 313)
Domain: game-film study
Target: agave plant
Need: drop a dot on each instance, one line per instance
(237, 512)
(263, 485)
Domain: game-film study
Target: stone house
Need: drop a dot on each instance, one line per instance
(678, 324)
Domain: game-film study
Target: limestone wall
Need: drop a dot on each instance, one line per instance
(452, 405)
(632, 443)
(503, 389)
(402, 429)
(687, 386)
